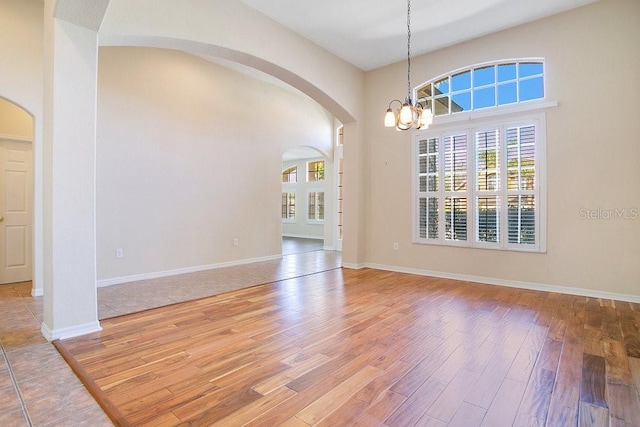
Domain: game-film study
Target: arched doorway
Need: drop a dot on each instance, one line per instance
(16, 193)
(306, 208)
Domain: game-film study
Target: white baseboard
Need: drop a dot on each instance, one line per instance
(69, 332)
(300, 236)
(37, 292)
(354, 266)
(15, 138)
(508, 283)
(167, 273)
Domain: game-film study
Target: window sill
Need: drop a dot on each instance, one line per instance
(464, 244)
(523, 107)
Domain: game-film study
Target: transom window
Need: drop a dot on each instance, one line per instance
(315, 171)
(484, 86)
(290, 174)
(481, 186)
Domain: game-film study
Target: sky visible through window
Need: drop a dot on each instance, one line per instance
(485, 86)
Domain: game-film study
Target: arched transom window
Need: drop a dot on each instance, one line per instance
(484, 86)
(290, 174)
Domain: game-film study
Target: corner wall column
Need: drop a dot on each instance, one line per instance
(353, 249)
(69, 133)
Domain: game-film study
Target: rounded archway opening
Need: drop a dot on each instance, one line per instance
(306, 201)
(16, 193)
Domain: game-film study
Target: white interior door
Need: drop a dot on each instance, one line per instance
(16, 187)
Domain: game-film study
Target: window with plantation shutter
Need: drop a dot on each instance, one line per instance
(481, 186)
(521, 184)
(487, 198)
(455, 187)
(316, 206)
(428, 176)
(288, 205)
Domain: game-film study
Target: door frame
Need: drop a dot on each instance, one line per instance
(22, 141)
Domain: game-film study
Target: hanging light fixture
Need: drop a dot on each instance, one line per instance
(408, 115)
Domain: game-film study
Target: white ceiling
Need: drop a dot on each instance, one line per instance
(373, 33)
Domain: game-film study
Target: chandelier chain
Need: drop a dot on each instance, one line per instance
(408, 115)
(408, 50)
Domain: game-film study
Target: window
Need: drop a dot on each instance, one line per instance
(338, 161)
(340, 197)
(288, 205)
(481, 186)
(290, 175)
(315, 171)
(484, 86)
(316, 206)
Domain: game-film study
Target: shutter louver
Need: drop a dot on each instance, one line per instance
(521, 185)
(428, 170)
(455, 186)
(456, 218)
(478, 187)
(488, 186)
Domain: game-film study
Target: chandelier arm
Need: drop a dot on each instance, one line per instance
(395, 100)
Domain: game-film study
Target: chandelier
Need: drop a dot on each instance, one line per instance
(408, 115)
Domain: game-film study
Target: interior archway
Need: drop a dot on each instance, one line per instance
(16, 193)
(306, 204)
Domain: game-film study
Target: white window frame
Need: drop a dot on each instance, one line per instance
(315, 220)
(430, 100)
(503, 118)
(288, 188)
(288, 169)
(324, 170)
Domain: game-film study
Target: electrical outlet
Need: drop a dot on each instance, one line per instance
(236, 241)
(119, 253)
(396, 246)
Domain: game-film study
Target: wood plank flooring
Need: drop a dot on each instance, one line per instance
(368, 348)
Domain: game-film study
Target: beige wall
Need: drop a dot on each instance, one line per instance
(21, 63)
(21, 82)
(592, 64)
(14, 121)
(234, 31)
(189, 157)
(592, 68)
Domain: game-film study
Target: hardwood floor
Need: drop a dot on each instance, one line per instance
(369, 348)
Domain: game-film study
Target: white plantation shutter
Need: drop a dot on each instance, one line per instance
(480, 187)
(455, 186)
(288, 205)
(487, 174)
(428, 177)
(315, 206)
(455, 210)
(521, 184)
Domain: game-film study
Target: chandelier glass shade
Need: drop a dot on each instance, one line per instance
(408, 115)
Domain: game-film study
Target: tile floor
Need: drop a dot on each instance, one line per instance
(296, 245)
(122, 299)
(37, 388)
